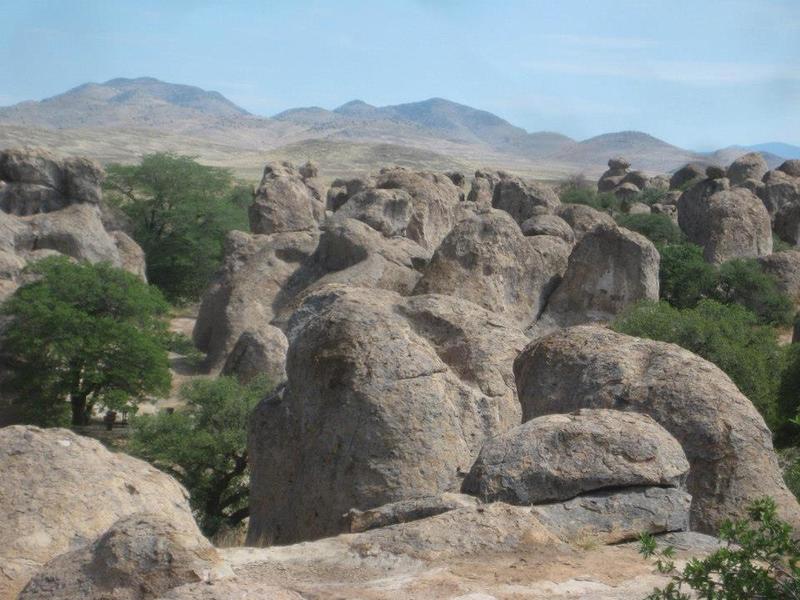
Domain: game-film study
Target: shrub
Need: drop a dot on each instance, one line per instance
(590, 197)
(204, 446)
(84, 336)
(760, 560)
(685, 277)
(743, 282)
(727, 335)
(659, 229)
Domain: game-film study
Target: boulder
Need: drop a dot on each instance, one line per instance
(583, 219)
(36, 182)
(727, 222)
(434, 199)
(519, 197)
(614, 516)
(659, 182)
(59, 491)
(785, 268)
(686, 175)
(131, 255)
(609, 180)
(386, 399)
(547, 224)
(406, 511)
(258, 352)
(790, 167)
(560, 456)
(670, 210)
(728, 446)
(486, 260)
(715, 172)
(389, 211)
(639, 179)
(342, 190)
(140, 557)
(618, 162)
(626, 191)
(780, 190)
(639, 208)
(285, 202)
(609, 269)
(748, 166)
(481, 189)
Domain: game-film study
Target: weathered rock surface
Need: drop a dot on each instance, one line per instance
(285, 202)
(342, 190)
(727, 222)
(609, 269)
(785, 268)
(790, 167)
(140, 557)
(748, 166)
(548, 225)
(613, 516)
(780, 190)
(481, 189)
(686, 175)
(405, 511)
(560, 456)
(725, 440)
(486, 260)
(59, 491)
(583, 219)
(386, 399)
(258, 352)
(519, 198)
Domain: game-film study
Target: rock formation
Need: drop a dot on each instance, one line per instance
(285, 201)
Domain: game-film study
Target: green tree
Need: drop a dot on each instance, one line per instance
(760, 561)
(180, 211)
(84, 336)
(685, 277)
(204, 446)
(742, 281)
(727, 335)
(659, 229)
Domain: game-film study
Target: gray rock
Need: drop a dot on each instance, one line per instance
(614, 516)
(609, 269)
(59, 491)
(779, 190)
(748, 166)
(258, 352)
(547, 224)
(519, 197)
(637, 178)
(715, 172)
(386, 399)
(790, 167)
(618, 162)
(687, 174)
(482, 188)
(626, 191)
(405, 511)
(285, 202)
(560, 456)
(727, 222)
(728, 446)
(639, 208)
(610, 180)
(487, 260)
(659, 182)
(389, 211)
(139, 558)
(785, 268)
(342, 190)
(583, 219)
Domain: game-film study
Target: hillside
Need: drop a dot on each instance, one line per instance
(121, 119)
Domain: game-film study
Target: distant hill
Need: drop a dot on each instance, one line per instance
(121, 119)
(778, 149)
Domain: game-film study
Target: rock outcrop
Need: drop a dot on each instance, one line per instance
(546, 224)
(609, 269)
(728, 446)
(687, 176)
(785, 268)
(285, 201)
(386, 399)
(59, 491)
(583, 219)
(560, 456)
(520, 198)
(485, 259)
(748, 166)
(727, 222)
(258, 352)
(140, 557)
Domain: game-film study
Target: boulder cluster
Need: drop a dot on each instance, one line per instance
(446, 384)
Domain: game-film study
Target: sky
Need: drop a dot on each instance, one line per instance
(699, 74)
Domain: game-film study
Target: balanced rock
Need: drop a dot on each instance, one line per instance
(140, 557)
(726, 441)
(618, 163)
(560, 456)
(748, 166)
(487, 260)
(386, 399)
(609, 269)
(727, 222)
(638, 179)
(285, 202)
(59, 491)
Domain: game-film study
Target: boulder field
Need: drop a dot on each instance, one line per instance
(452, 417)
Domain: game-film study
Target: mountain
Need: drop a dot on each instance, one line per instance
(121, 119)
(778, 149)
(725, 156)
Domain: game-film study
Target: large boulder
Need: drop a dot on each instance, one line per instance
(780, 190)
(728, 446)
(609, 269)
(258, 352)
(785, 268)
(560, 456)
(387, 211)
(486, 260)
(285, 202)
(387, 398)
(140, 557)
(341, 190)
(790, 167)
(727, 222)
(59, 491)
(687, 176)
(748, 166)
(583, 219)
(481, 189)
(34, 181)
(519, 197)
(546, 224)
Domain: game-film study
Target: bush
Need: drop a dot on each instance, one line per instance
(659, 229)
(204, 446)
(180, 211)
(760, 560)
(727, 335)
(685, 277)
(605, 202)
(743, 282)
(84, 336)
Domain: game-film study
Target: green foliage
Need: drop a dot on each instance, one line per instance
(606, 202)
(181, 211)
(659, 229)
(727, 335)
(204, 446)
(183, 345)
(652, 196)
(760, 560)
(84, 336)
(778, 245)
(685, 277)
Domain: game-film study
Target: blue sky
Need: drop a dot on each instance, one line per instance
(700, 74)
